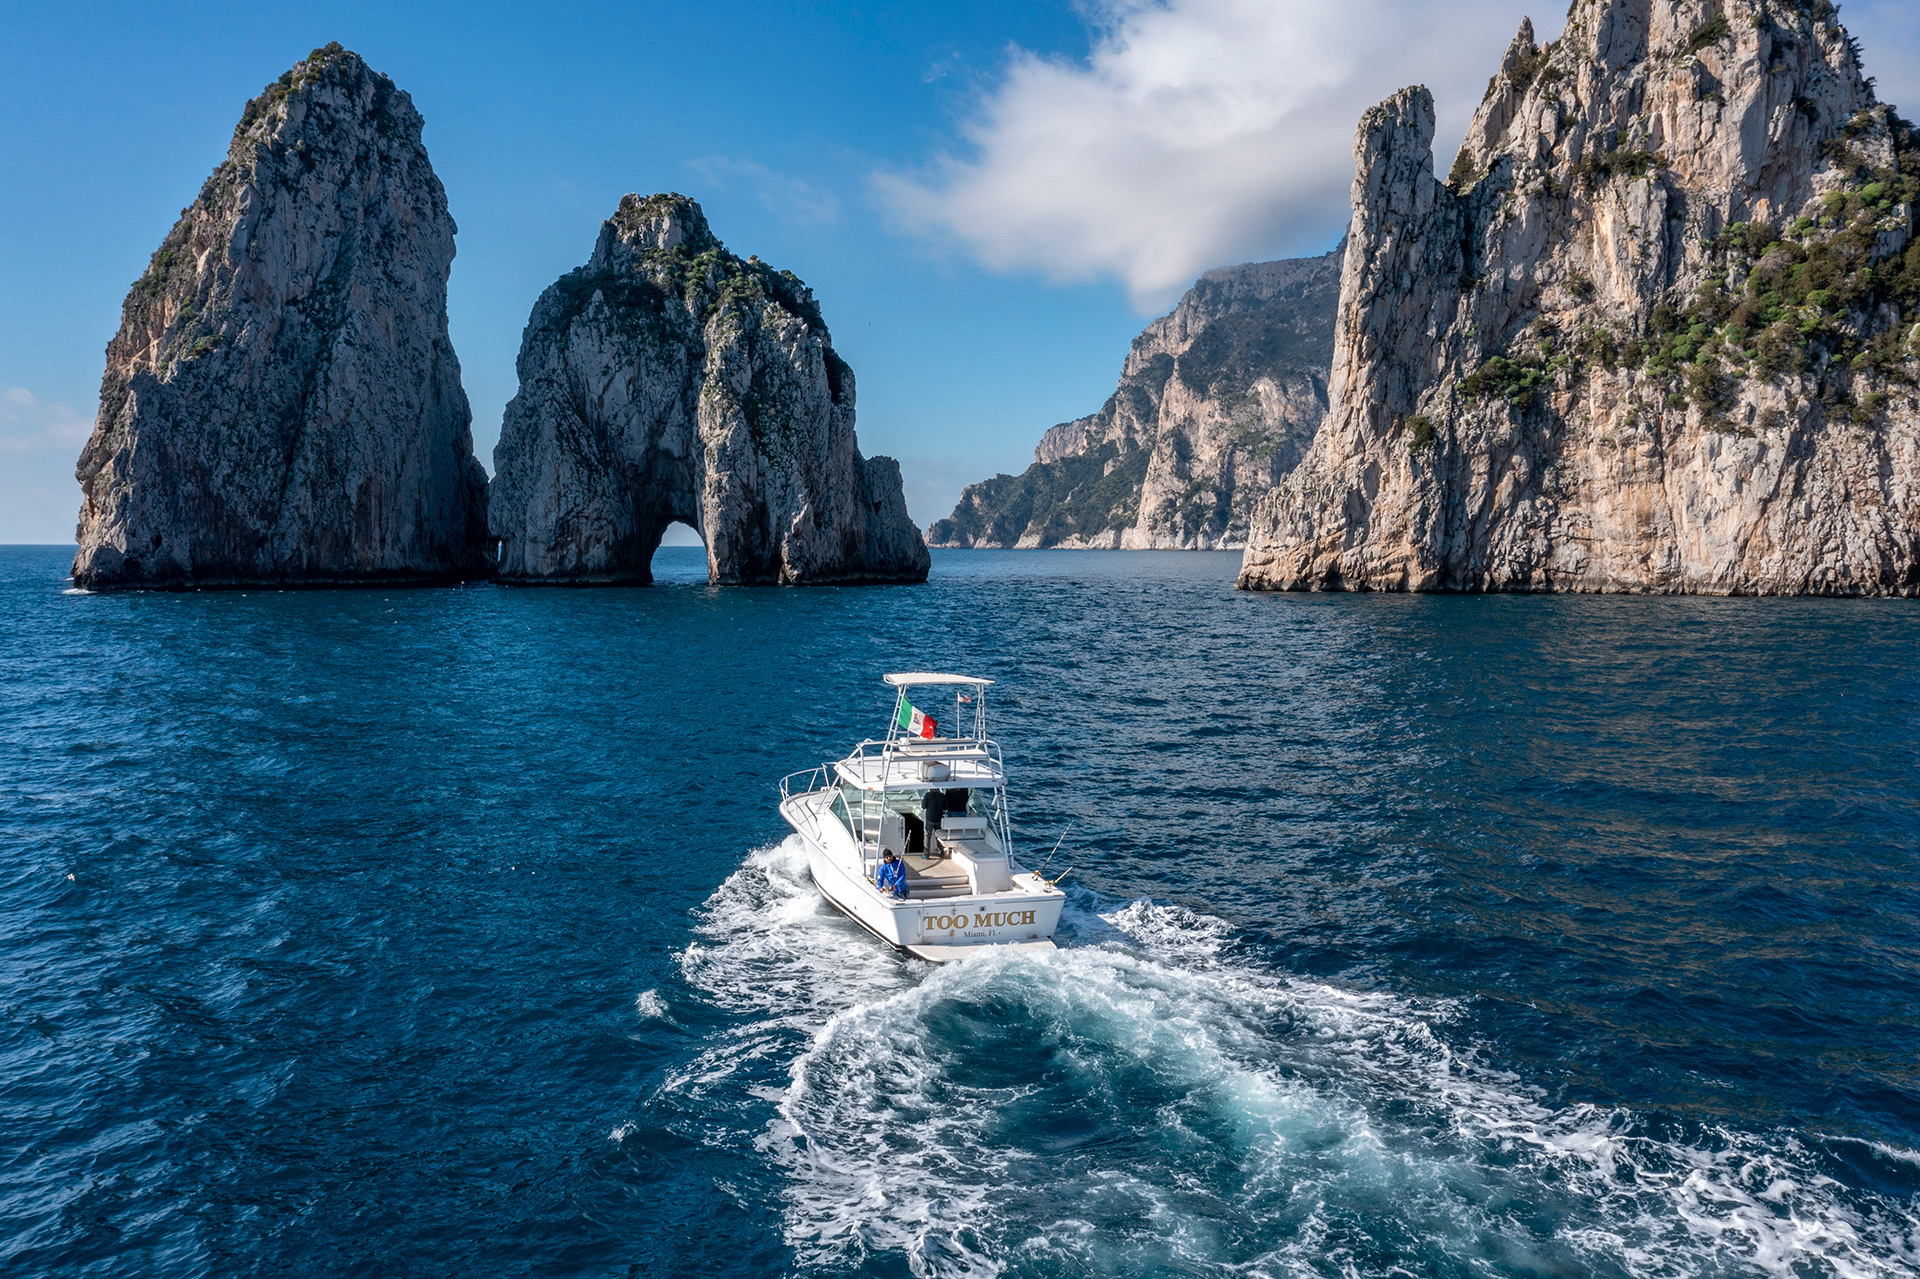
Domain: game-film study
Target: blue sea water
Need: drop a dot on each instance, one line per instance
(447, 932)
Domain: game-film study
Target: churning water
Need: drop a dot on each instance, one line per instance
(453, 931)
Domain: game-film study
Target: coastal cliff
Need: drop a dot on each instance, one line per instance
(281, 404)
(669, 380)
(1217, 401)
(1654, 333)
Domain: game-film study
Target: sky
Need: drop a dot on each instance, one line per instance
(989, 199)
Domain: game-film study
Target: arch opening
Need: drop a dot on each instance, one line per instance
(681, 556)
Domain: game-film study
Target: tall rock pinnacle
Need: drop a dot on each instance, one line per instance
(281, 404)
(1656, 330)
(669, 380)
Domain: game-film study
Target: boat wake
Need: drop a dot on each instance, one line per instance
(1146, 1100)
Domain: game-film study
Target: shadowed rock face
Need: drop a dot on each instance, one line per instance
(281, 405)
(1217, 401)
(668, 380)
(1655, 332)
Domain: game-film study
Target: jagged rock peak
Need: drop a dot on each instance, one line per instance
(1216, 400)
(1524, 46)
(1655, 332)
(655, 222)
(281, 404)
(668, 379)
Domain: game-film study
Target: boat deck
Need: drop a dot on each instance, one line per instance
(931, 878)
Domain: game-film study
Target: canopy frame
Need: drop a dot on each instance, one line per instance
(907, 679)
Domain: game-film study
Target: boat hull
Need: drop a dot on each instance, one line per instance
(938, 929)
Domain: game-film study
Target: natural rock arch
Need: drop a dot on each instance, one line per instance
(668, 380)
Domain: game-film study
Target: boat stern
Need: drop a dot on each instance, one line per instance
(1001, 920)
(947, 954)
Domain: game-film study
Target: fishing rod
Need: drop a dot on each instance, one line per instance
(1056, 848)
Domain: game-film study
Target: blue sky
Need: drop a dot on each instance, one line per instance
(989, 199)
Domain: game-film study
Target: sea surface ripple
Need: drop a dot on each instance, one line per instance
(453, 931)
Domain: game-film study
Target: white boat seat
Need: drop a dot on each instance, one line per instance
(987, 871)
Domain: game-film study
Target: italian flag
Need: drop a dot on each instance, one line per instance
(917, 722)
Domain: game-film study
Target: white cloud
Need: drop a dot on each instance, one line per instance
(792, 199)
(31, 425)
(1197, 133)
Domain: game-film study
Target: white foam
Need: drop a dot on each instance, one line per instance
(1897, 1153)
(768, 947)
(649, 1006)
(1291, 1126)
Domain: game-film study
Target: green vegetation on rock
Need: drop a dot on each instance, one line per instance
(1621, 162)
(1711, 34)
(1815, 299)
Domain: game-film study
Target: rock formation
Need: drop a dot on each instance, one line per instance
(1217, 401)
(1656, 332)
(281, 404)
(669, 380)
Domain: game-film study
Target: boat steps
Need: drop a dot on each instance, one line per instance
(932, 889)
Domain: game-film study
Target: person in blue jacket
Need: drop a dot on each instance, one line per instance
(893, 875)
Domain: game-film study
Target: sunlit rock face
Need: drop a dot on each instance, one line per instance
(668, 380)
(282, 404)
(1217, 401)
(1655, 331)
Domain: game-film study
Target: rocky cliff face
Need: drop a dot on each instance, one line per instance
(281, 404)
(1218, 399)
(669, 380)
(1656, 332)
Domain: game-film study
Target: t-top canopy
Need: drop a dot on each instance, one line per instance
(906, 678)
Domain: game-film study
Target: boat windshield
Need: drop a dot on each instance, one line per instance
(920, 811)
(955, 801)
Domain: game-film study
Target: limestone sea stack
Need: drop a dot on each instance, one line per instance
(281, 405)
(1217, 401)
(1654, 333)
(669, 380)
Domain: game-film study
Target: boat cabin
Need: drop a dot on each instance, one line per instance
(933, 790)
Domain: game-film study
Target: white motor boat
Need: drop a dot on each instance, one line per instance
(939, 804)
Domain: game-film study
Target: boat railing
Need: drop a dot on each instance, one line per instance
(889, 749)
(816, 780)
(873, 802)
